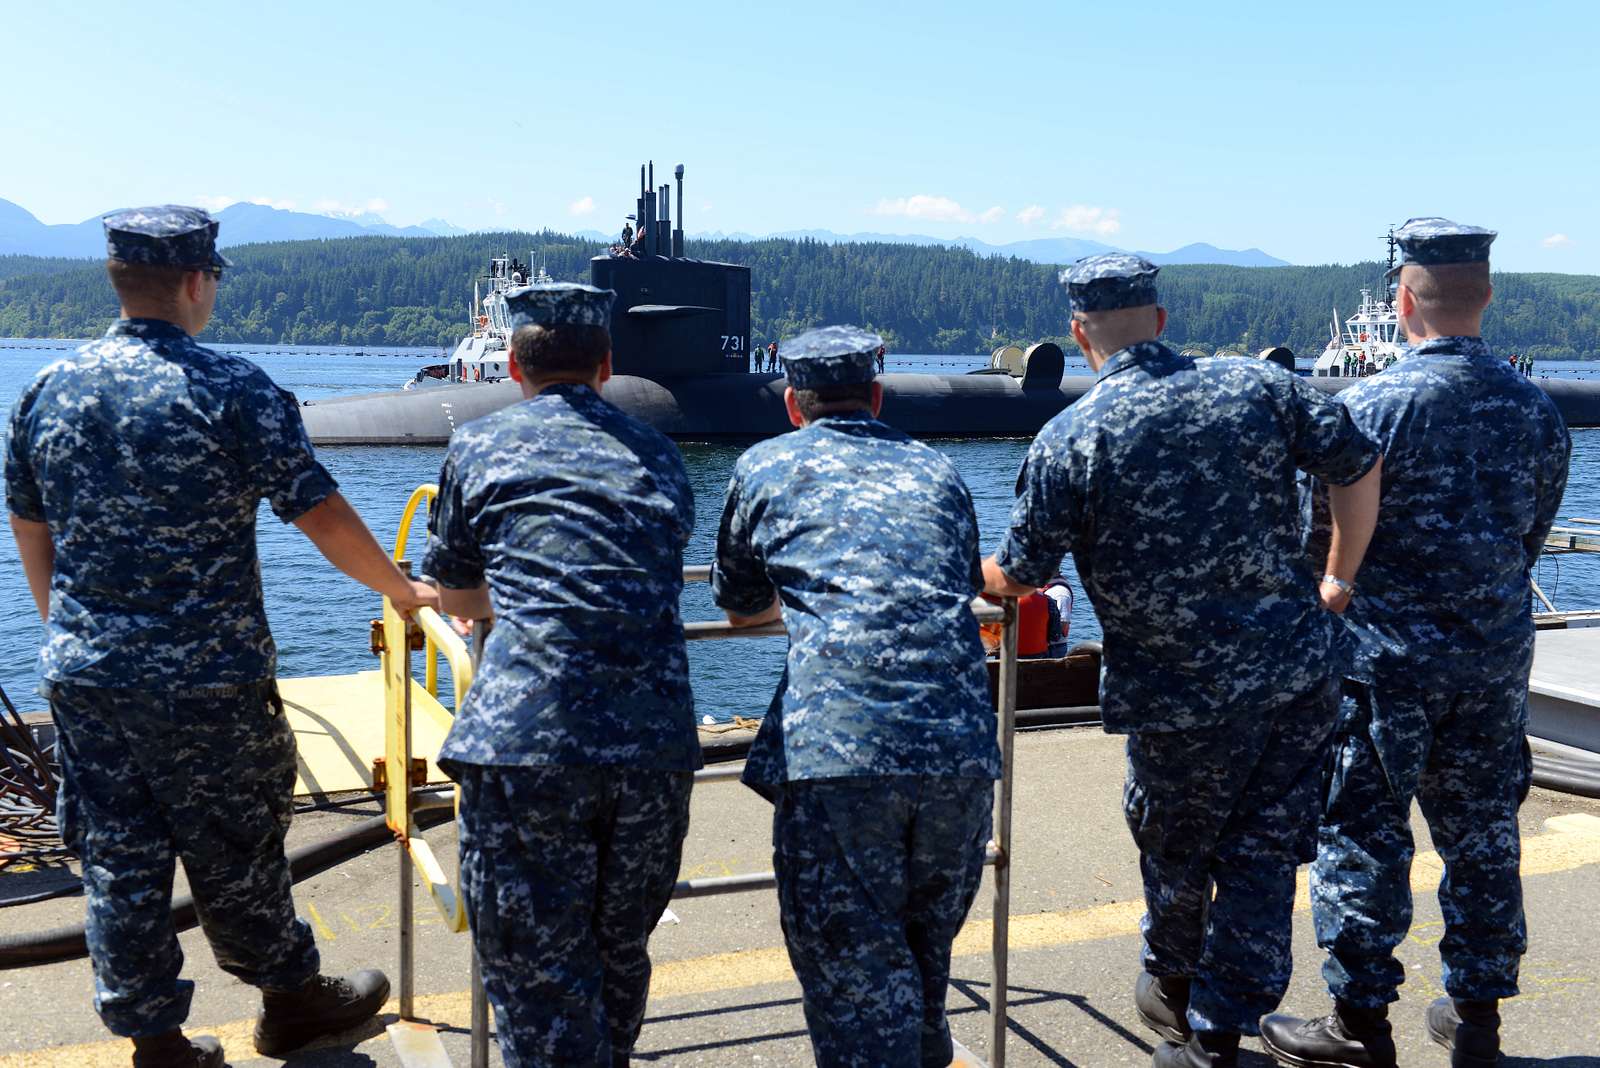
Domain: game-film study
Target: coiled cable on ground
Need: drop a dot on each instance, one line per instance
(69, 942)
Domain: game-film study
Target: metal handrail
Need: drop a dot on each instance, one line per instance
(438, 639)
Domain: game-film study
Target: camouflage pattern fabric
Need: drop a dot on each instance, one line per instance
(1172, 482)
(146, 453)
(560, 304)
(205, 777)
(1109, 281)
(1222, 819)
(831, 356)
(1475, 466)
(168, 235)
(1431, 241)
(870, 541)
(875, 877)
(576, 516)
(566, 871)
(1464, 757)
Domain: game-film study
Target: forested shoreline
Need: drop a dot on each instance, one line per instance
(375, 291)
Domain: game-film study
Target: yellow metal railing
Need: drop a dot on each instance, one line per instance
(429, 631)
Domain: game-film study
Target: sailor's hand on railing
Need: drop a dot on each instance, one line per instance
(421, 595)
(461, 626)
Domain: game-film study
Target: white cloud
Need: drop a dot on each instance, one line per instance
(994, 214)
(378, 204)
(582, 206)
(1030, 215)
(922, 206)
(1088, 220)
(214, 203)
(281, 205)
(1556, 241)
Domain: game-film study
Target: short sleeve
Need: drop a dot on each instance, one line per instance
(454, 557)
(1326, 440)
(278, 454)
(23, 498)
(739, 582)
(1043, 518)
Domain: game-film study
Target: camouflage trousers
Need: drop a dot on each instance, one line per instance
(149, 779)
(1464, 757)
(875, 876)
(566, 871)
(1223, 816)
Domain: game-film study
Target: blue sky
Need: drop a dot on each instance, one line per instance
(1302, 129)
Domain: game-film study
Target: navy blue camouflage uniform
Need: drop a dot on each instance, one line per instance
(879, 749)
(1436, 699)
(146, 454)
(576, 746)
(1173, 484)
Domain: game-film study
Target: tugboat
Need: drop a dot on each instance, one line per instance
(1371, 340)
(481, 356)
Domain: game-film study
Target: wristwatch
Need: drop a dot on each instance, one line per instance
(1347, 588)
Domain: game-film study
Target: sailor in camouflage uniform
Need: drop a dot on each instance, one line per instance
(1436, 699)
(1172, 482)
(133, 472)
(565, 520)
(879, 750)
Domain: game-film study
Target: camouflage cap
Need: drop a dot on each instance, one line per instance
(1109, 281)
(830, 356)
(168, 235)
(560, 304)
(1431, 241)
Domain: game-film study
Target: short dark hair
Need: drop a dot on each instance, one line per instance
(814, 403)
(562, 349)
(146, 283)
(1452, 288)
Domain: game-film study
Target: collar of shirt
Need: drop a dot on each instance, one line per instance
(1450, 346)
(1148, 353)
(848, 422)
(573, 391)
(150, 329)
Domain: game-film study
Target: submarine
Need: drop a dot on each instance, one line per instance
(681, 362)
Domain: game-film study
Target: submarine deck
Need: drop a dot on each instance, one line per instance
(723, 993)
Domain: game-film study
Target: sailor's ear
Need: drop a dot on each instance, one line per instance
(1080, 336)
(515, 368)
(793, 405)
(603, 373)
(1161, 319)
(877, 398)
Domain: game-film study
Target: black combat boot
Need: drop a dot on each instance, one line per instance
(174, 1050)
(1205, 1049)
(1163, 1005)
(1348, 1037)
(325, 1006)
(1470, 1030)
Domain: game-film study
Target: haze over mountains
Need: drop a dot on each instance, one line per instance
(245, 224)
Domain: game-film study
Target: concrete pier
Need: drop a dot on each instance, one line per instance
(723, 994)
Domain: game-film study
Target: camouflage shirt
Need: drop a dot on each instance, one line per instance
(146, 454)
(576, 516)
(1173, 483)
(1475, 465)
(870, 541)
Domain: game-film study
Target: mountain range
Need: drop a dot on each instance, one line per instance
(246, 224)
(242, 224)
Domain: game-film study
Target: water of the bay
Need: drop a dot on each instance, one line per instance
(319, 617)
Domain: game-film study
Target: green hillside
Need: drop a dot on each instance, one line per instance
(376, 291)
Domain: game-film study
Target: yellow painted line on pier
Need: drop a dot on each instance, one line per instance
(1573, 842)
